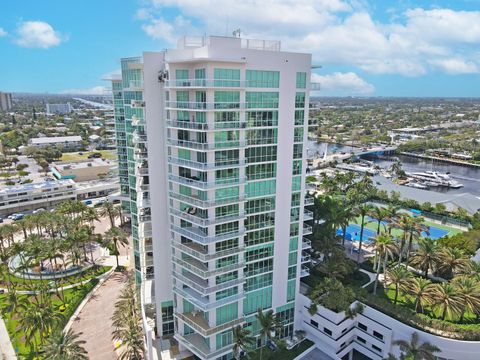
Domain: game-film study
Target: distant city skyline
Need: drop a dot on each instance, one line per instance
(365, 48)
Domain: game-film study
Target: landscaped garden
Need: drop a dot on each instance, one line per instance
(423, 273)
(47, 268)
(281, 352)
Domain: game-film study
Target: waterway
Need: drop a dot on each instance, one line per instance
(468, 176)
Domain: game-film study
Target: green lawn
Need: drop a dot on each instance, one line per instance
(398, 233)
(75, 156)
(90, 273)
(282, 353)
(73, 297)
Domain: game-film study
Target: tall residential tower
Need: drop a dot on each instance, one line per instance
(210, 141)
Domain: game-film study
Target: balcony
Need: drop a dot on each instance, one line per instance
(307, 215)
(135, 85)
(305, 271)
(197, 322)
(204, 185)
(197, 345)
(141, 170)
(139, 138)
(204, 204)
(201, 286)
(192, 125)
(204, 303)
(195, 145)
(217, 165)
(199, 236)
(195, 250)
(309, 200)
(305, 257)
(306, 244)
(204, 222)
(204, 83)
(307, 230)
(194, 105)
(198, 268)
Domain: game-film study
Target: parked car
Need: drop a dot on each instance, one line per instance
(38, 210)
(16, 217)
(88, 202)
(271, 345)
(95, 155)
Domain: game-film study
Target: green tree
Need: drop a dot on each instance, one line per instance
(242, 340)
(426, 256)
(331, 294)
(399, 277)
(469, 291)
(362, 210)
(267, 326)
(385, 247)
(114, 238)
(447, 300)
(65, 346)
(415, 350)
(422, 290)
(451, 261)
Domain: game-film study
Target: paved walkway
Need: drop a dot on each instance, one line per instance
(94, 320)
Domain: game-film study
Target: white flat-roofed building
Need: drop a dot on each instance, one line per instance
(48, 194)
(85, 170)
(67, 142)
(218, 187)
(59, 109)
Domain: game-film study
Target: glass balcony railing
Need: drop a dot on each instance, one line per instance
(204, 222)
(181, 124)
(307, 230)
(204, 204)
(198, 323)
(198, 184)
(195, 145)
(204, 83)
(207, 165)
(194, 105)
(205, 303)
(197, 267)
(199, 236)
(201, 285)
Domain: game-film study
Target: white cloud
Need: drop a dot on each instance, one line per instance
(343, 84)
(95, 90)
(37, 34)
(412, 43)
(2, 32)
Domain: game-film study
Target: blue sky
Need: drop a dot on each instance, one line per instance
(370, 48)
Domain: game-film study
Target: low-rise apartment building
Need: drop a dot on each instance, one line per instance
(67, 142)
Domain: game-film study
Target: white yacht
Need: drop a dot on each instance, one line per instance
(433, 177)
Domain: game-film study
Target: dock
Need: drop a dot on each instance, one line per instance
(436, 158)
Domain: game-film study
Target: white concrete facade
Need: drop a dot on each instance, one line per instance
(372, 333)
(186, 229)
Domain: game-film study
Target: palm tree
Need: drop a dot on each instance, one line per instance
(415, 351)
(379, 214)
(422, 290)
(426, 255)
(242, 340)
(108, 209)
(362, 210)
(267, 326)
(451, 261)
(404, 223)
(348, 215)
(469, 291)
(415, 231)
(114, 238)
(65, 346)
(447, 300)
(392, 214)
(385, 248)
(126, 321)
(399, 277)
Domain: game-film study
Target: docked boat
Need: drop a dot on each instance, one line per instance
(417, 185)
(433, 177)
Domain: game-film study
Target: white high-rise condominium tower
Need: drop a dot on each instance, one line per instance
(212, 163)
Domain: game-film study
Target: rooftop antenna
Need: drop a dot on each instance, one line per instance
(237, 33)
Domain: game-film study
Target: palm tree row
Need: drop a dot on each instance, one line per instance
(452, 299)
(126, 321)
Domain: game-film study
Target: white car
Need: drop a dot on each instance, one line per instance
(38, 210)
